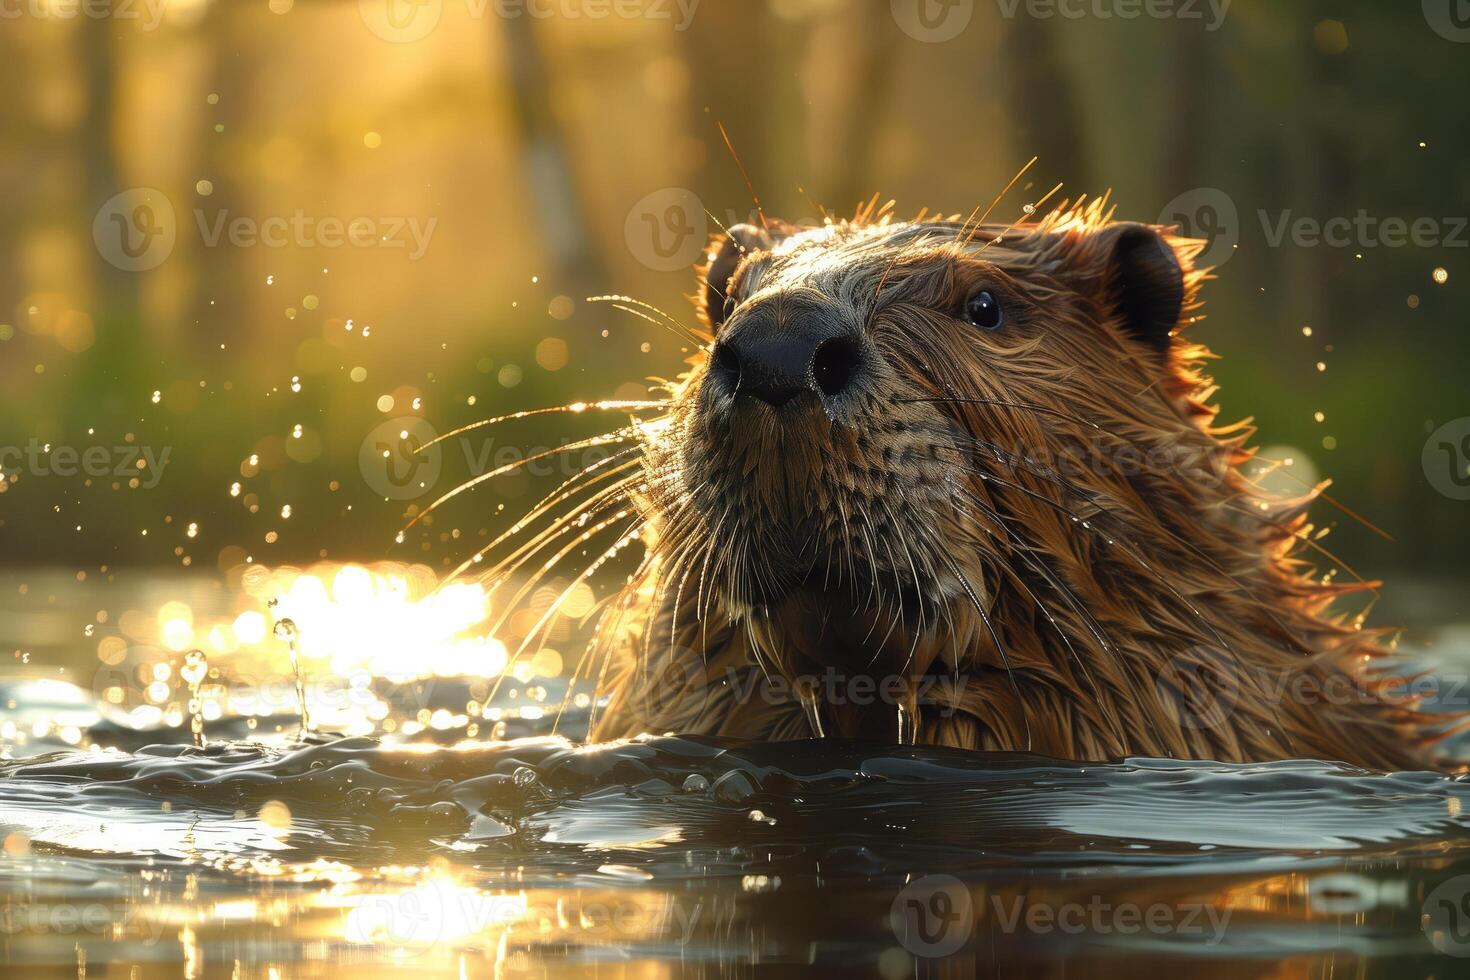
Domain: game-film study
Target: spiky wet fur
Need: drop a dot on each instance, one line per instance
(1058, 551)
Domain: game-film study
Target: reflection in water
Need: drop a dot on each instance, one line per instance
(542, 854)
(407, 834)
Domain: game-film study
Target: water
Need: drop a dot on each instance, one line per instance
(708, 857)
(269, 851)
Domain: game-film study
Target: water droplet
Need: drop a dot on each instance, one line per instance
(809, 706)
(195, 669)
(908, 728)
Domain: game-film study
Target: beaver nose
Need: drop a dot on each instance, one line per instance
(776, 361)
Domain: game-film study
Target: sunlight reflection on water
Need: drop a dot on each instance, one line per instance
(437, 846)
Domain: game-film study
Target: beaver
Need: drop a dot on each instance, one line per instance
(961, 483)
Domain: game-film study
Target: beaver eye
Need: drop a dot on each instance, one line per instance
(983, 310)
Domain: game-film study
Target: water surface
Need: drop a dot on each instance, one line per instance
(464, 846)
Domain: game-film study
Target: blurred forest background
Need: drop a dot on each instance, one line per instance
(501, 169)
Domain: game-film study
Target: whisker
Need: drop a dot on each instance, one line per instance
(1319, 492)
(606, 439)
(1018, 464)
(1140, 561)
(554, 609)
(573, 485)
(994, 638)
(616, 495)
(574, 408)
(1003, 191)
(1025, 214)
(628, 304)
(535, 580)
(583, 663)
(749, 186)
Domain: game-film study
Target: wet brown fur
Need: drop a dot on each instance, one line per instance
(1058, 551)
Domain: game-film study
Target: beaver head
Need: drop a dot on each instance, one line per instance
(914, 450)
(872, 390)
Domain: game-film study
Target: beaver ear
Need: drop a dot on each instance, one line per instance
(1144, 281)
(724, 257)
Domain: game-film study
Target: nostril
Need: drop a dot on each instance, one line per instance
(725, 364)
(835, 365)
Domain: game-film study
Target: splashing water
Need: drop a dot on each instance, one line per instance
(195, 669)
(285, 630)
(810, 707)
(439, 847)
(711, 853)
(908, 725)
